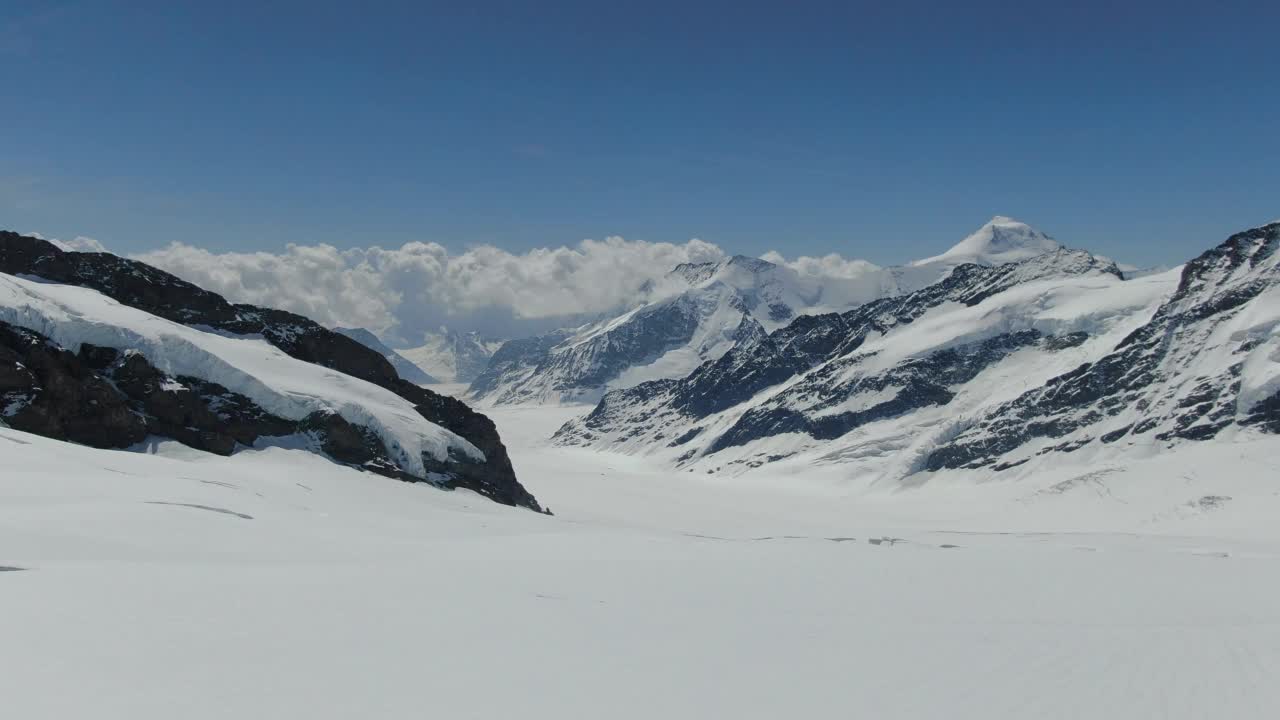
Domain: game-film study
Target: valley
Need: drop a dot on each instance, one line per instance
(170, 582)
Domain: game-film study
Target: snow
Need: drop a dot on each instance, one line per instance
(289, 388)
(439, 355)
(891, 451)
(1260, 373)
(718, 322)
(1091, 303)
(274, 584)
(1001, 240)
(434, 357)
(1118, 581)
(720, 295)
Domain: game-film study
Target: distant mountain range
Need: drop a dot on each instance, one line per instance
(1006, 351)
(452, 357)
(1024, 351)
(701, 310)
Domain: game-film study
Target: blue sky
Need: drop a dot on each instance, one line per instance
(1139, 130)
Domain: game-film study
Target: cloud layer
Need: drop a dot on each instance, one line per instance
(403, 293)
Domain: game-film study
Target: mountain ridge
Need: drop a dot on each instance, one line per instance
(984, 371)
(146, 289)
(693, 316)
(405, 368)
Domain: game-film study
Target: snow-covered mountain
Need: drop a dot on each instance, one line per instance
(406, 369)
(106, 352)
(1206, 363)
(701, 310)
(1002, 240)
(990, 368)
(452, 357)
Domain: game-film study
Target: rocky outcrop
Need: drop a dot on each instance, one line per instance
(146, 288)
(200, 414)
(50, 391)
(106, 398)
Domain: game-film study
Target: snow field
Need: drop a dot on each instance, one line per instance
(275, 584)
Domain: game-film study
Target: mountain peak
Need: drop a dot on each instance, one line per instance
(749, 264)
(1001, 240)
(694, 273)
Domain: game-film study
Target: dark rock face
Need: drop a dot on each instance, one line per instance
(146, 288)
(351, 444)
(495, 478)
(200, 414)
(1138, 389)
(1265, 414)
(105, 398)
(47, 390)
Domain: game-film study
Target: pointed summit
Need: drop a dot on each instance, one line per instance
(1001, 240)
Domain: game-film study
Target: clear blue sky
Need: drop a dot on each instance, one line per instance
(879, 130)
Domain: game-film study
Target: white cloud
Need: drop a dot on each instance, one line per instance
(827, 266)
(405, 292)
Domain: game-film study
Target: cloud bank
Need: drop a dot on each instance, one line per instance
(403, 293)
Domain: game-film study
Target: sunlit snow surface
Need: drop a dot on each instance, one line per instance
(274, 584)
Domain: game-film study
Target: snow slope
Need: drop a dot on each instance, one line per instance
(1199, 369)
(274, 584)
(452, 357)
(281, 385)
(1001, 240)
